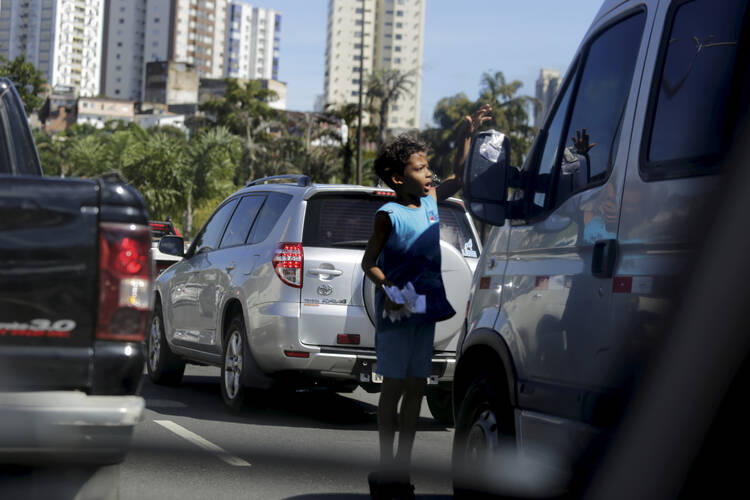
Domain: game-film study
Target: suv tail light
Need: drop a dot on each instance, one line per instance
(287, 262)
(125, 274)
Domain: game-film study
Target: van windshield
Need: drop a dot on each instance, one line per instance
(346, 221)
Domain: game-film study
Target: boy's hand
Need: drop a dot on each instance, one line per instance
(389, 304)
(476, 119)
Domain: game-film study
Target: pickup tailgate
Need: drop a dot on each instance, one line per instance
(48, 281)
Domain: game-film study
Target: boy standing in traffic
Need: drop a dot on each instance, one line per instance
(405, 249)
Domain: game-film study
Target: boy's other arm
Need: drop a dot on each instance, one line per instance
(451, 185)
(380, 233)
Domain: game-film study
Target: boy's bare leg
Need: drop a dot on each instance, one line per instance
(414, 389)
(390, 392)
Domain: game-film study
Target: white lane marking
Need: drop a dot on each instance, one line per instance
(203, 443)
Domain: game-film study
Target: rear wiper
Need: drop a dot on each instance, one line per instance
(350, 243)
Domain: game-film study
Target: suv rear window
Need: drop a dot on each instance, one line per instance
(346, 221)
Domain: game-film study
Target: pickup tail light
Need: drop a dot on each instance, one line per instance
(125, 281)
(288, 260)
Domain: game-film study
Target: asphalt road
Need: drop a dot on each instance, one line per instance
(303, 445)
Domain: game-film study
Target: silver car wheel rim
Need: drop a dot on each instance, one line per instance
(483, 439)
(233, 365)
(154, 345)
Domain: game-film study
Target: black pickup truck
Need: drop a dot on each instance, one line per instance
(75, 301)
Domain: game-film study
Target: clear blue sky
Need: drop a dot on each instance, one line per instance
(463, 39)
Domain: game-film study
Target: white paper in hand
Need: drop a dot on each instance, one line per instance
(408, 297)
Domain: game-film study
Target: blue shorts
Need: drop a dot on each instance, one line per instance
(405, 350)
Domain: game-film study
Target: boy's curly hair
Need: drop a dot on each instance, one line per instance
(394, 156)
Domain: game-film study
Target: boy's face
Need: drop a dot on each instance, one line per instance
(417, 178)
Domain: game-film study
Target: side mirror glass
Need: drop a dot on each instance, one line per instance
(486, 177)
(172, 245)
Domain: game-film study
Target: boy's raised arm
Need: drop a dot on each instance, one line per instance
(466, 129)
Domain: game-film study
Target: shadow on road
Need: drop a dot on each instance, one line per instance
(353, 496)
(199, 397)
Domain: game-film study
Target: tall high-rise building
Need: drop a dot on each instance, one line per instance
(219, 38)
(547, 86)
(198, 34)
(62, 38)
(252, 45)
(124, 33)
(392, 32)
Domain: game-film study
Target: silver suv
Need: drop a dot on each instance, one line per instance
(272, 291)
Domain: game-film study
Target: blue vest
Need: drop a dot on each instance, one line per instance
(412, 253)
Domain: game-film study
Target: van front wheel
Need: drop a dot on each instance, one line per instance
(484, 438)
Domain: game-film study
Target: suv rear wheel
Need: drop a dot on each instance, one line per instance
(235, 361)
(485, 437)
(164, 367)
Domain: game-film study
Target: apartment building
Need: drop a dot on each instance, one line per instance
(392, 32)
(123, 41)
(198, 35)
(252, 44)
(62, 38)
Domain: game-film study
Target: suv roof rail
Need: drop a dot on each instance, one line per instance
(302, 180)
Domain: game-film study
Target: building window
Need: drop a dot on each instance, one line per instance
(117, 91)
(398, 37)
(399, 13)
(355, 81)
(355, 93)
(398, 48)
(399, 25)
(156, 19)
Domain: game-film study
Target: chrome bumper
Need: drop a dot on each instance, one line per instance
(52, 426)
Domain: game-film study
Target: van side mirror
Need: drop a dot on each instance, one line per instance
(486, 177)
(172, 245)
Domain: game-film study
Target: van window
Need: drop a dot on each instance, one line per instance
(696, 84)
(600, 104)
(346, 221)
(592, 106)
(208, 238)
(240, 223)
(269, 216)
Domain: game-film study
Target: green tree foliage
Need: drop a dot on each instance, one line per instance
(510, 115)
(209, 169)
(28, 81)
(245, 112)
(348, 113)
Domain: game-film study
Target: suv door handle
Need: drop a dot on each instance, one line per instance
(230, 267)
(329, 272)
(604, 258)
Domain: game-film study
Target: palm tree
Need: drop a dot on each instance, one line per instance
(244, 111)
(384, 88)
(348, 114)
(208, 169)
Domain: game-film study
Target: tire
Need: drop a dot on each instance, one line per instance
(234, 365)
(164, 367)
(484, 436)
(440, 402)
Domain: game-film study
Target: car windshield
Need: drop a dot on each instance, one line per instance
(346, 221)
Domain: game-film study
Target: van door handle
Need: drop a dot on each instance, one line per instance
(329, 272)
(604, 258)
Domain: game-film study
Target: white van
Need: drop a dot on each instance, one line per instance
(590, 233)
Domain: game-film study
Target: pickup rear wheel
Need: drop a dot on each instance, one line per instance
(164, 367)
(234, 366)
(484, 437)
